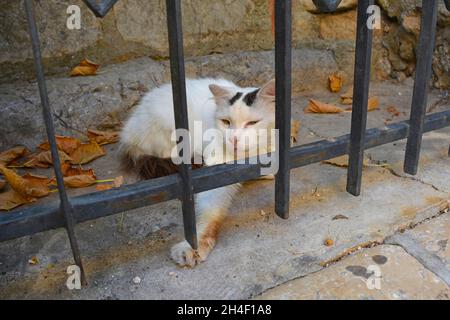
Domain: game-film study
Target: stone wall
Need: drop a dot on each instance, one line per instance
(136, 28)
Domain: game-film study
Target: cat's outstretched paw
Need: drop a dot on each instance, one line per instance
(183, 255)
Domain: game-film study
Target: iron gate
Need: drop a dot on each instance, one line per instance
(183, 186)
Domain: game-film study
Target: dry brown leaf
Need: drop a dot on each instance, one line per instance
(103, 187)
(347, 101)
(335, 83)
(393, 110)
(33, 261)
(328, 242)
(295, 128)
(87, 152)
(12, 199)
(103, 137)
(85, 68)
(8, 156)
(79, 171)
(373, 104)
(36, 180)
(44, 159)
(65, 144)
(118, 181)
(316, 106)
(78, 181)
(24, 186)
(347, 97)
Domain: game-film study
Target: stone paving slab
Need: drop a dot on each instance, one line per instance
(428, 243)
(382, 272)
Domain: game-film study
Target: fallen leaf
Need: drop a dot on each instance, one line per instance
(12, 199)
(103, 187)
(372, 104)
(347, 97)
(393, 110)
(85, 68)
(103, 137)
(33, 261)
(316, 106)
(79, 181)
(69, 171)
(87, 152)
(24, 186)
(66, 144)
(328, 242)
(340, 217)
(118, 181)
(8, 156)
(44, 159)
(335, 83)
(295, 128)
(36, 181)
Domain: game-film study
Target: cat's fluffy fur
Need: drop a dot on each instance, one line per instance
(218, 104)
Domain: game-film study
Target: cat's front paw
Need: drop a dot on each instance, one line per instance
(183, 255)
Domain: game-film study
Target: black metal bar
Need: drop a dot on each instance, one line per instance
(421, 84)
(100, 9)
(65, 207)
(175, 30)
(283, 79)
(360, 98)
(30, 220)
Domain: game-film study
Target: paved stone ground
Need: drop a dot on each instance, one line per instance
(258, 253)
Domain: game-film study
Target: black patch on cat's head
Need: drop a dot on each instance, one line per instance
(249, 98)
(235, 98)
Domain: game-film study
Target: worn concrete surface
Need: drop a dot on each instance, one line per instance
(383, 272)
(256, 250)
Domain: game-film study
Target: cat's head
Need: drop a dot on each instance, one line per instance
(243, 114)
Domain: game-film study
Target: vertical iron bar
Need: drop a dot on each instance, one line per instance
(421, 84)
(174, 26)
(47, 115)
(360, 98)
(283, 78)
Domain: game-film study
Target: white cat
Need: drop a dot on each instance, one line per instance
(242, 115)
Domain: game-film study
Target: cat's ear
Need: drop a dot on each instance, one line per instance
(219, 92)
(268, 91)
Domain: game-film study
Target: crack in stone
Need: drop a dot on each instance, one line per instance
(399, 175)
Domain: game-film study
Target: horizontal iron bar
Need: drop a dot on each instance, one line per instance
(44, 217)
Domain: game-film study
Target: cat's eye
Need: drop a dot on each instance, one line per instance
(226, 122)
(251, 123)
